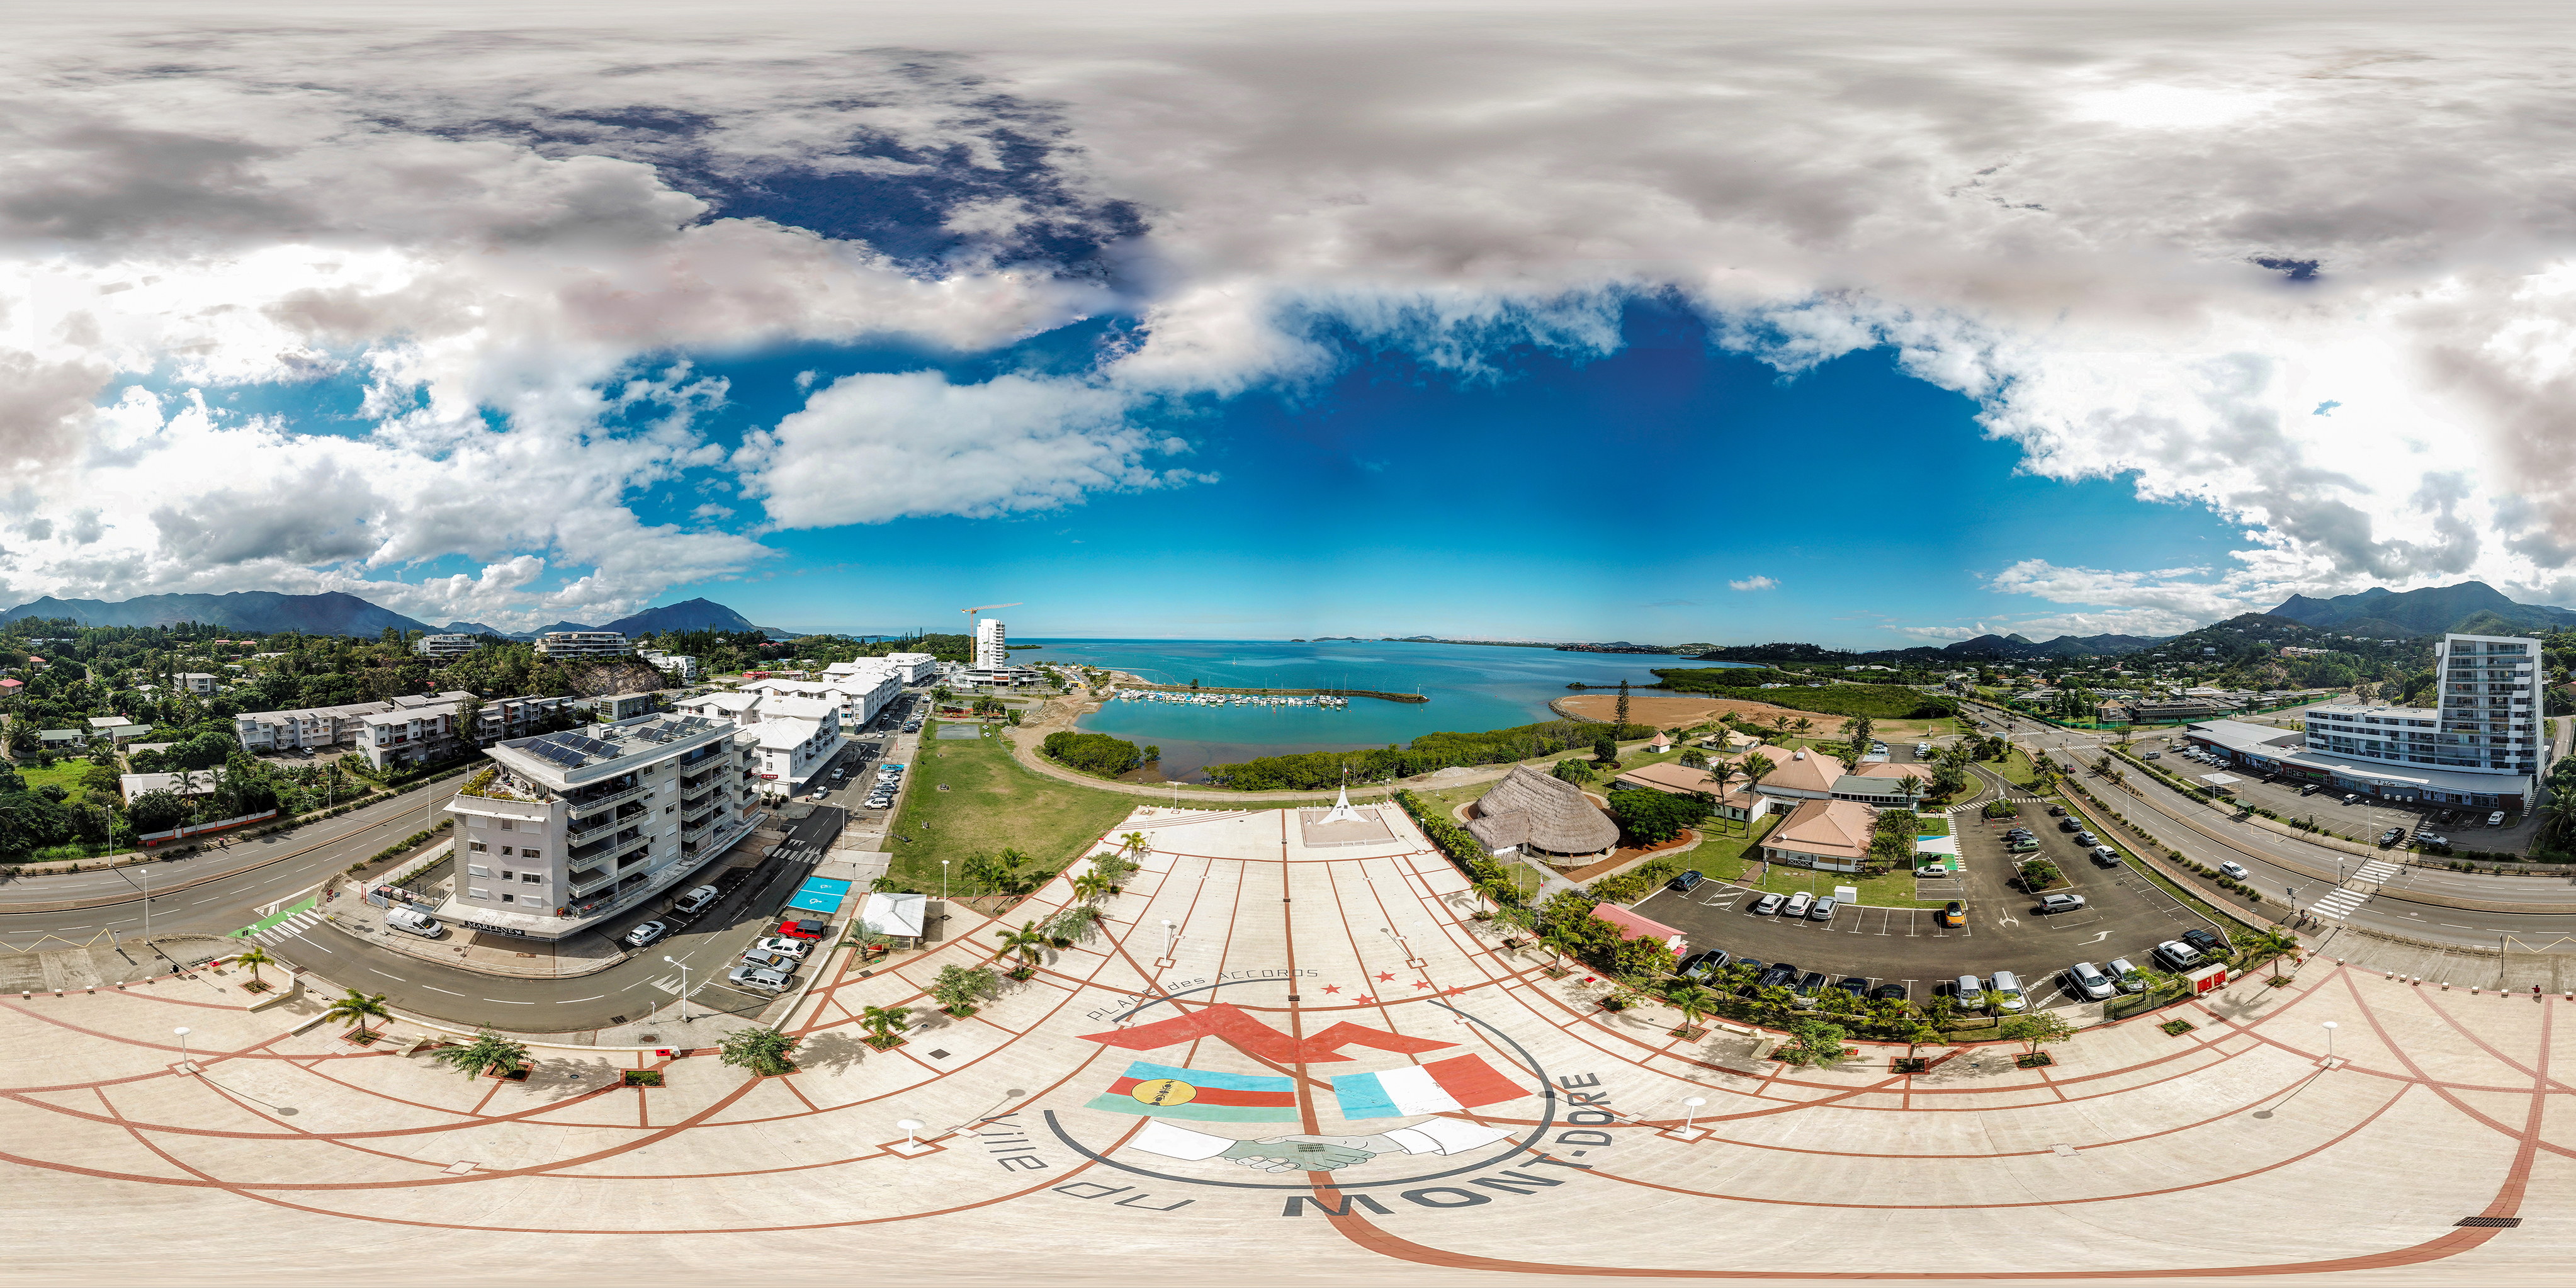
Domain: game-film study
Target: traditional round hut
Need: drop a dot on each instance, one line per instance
(1541, 814)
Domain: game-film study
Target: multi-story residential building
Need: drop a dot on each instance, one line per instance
(2480, 744)
(622, 706)
(796, 733)
(195, 682)
(685, 665)
(403, 731)
(448, 645)
(572, 829)
(862, 691)
(583, 644)
(913, 668)
(992, 650)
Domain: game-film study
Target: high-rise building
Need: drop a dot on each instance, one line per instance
(583, 644)
(2479, 743)
(992, 652)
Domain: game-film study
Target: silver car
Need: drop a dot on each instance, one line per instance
(2090, 982)
(2128, 977)
(766, 979)
(1823, 909)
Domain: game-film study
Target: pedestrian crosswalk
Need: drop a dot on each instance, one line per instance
(2338, 905)
(289, 928)
(2379, 870)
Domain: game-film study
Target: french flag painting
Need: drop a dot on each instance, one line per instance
(1442, 1086)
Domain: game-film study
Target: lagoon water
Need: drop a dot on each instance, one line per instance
(1471, 687)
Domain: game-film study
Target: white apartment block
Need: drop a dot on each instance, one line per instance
(576, 828)
(196, 682)
(583, 644)
(915, 668)
(992, 649)
(686, 665)
(862, 692)
(447, 645)
(401, 732)
(794, 734)
(2481, 738)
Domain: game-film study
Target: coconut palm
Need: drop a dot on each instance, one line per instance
(489, 1052)
(1756, 767)
(1091, 887)
(360, 1007)
(1497, 891)
(1804, 724)
(1028, 942)
(1134, 845)
(883, 1022)
(253, 957)
(1692, 1001)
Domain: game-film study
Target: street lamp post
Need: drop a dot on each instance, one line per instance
(1691, 1104)
(185, 1059)
(943, 880)
(684, 986)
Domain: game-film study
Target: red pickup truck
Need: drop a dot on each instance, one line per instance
(803, 929)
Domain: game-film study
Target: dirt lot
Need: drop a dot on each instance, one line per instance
(1669, 712)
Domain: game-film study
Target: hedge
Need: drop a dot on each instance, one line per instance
(1458, 843)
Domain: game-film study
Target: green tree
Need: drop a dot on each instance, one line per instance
(1605, 750)
(958, 988)
(1810, 1043)
(766, 1052)
(883, 1023)
(1756, 767)
(1694, 759)
(2264, 946)
(360, 1008)
(2035, 1029)
(1692, 1001)
(253, 957)
(489, 1052)
(1623, 704)
(1572, 771)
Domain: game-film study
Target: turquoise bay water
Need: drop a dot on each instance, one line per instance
(1472, 687)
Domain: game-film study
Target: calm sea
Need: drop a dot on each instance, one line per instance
(1471, 687)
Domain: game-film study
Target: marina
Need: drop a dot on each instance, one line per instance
(1325, 701)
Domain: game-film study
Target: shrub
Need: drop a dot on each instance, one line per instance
(763, 1051)
(1096, 753)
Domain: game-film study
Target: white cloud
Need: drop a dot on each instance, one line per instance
(1941, 634)
(1754, 583)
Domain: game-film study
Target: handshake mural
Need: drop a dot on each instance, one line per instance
(1313, 1153)
(1309, 1153)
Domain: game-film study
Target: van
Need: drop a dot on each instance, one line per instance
(1798, 905)
(1922, 750)
(1972, 993)
(2007, 999)
(415, 921)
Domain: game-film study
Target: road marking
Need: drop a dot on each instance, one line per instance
(436, 989)
(386, 973)
(569, 1000)
(495, 999)
(2099, 937)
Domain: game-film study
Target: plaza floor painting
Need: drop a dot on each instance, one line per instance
(1269, 1051)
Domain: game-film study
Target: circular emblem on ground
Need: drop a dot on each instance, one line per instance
(1164, 1091)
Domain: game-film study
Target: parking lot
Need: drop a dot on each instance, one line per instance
(2125, 915)
(2466, 827)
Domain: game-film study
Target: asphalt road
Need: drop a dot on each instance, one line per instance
(243, 876)
(2124, 915)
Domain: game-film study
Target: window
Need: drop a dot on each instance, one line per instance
(507, 825)
(505, 849)
(531, 878)
(509, 898)
(477, 870)
(477, 892)
(526, 853)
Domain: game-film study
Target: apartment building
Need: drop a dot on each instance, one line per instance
(862, 692)
(195, 682)
(992, 650)
(795, 733)
(583, 644)
(448, 645)
(913, 668)
(403, 731)
(572, 829)
(2479, 744)
(685, 665)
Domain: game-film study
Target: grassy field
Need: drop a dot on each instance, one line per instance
(1724, 857)
(2017, 768)
(992, 804)
(64, 773)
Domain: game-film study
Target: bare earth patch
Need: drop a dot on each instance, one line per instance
(1666, 712)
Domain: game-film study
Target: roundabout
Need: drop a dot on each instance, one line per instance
(1298, 1063)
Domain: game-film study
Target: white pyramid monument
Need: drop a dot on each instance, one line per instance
(1342, 811)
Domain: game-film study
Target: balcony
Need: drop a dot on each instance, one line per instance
(585, 884)
(592, 804)
(606, 826)
(585, 853)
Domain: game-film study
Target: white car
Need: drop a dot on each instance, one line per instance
(2236, 870)
(2496, 819)
(694, 900)
(418, 923)
(2091, 982)
(645, 934)
(1798, 905)
(782, 946)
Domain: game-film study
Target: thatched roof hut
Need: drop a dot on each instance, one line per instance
(1532, 810)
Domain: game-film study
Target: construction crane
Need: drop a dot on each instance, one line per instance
(984, 608)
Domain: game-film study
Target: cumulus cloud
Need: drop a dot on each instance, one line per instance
(870, 448)
(2150, 249)
(1754, 583)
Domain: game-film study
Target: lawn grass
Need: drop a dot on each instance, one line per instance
(1932, 825)
(2017, 769)
(63, 773)
(992, 804)
(1725, 858)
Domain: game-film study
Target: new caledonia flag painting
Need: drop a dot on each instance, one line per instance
(1203, 1095)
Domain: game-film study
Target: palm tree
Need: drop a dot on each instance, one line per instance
(883, 1022)
(1804, 724)
(359, 1007)
(1496, 891)
(1780, 722)
(1134, 846)
(1692, 1001)
(1091, 887)
(1028, 942)
(253, 957)
(2268, 946)
(1756, 767)
(489, 1052)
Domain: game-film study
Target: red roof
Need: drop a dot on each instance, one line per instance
(1632, 926)
(13, 684)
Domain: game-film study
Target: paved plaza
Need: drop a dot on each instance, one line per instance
(1292, 1057)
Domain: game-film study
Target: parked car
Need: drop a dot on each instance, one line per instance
(1854, 985)
(1778, 976)
(2106, 856)
(1687, 881)
(2177, 955)
(2067, 825)
(1922, 749)
(1954, 913)
(2155, 755)
(2496, 819)
(694, 900)
(1798, 905)
(2427, 838)
(1823, 910)
(755, 957)
(803, 929)
(2392, 836)
(414, 921)
(2352, 798)
(1888, 993)
(1932, 871)
(2087, 840)
(2205, 943)
(1768, 904)
(2090, 982)
(2057, 811)
(2049, 903)
(2236, 870)
(762, 978)
(2004, 994)
(1809, 984)
(2128, 977)
(1702, 965)
(2023, 846)
(2018, 831)
(2308, 790)
(1753, 967)
(646, 934)
(782, 946)
(1971, 992)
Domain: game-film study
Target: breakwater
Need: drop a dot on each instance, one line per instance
(1275, 693)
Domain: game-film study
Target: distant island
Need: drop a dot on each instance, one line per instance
(1614, 646)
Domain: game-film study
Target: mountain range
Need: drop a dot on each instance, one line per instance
(2470, 608)
(265, 612)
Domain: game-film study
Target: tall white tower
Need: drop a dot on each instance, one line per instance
(991, 652)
